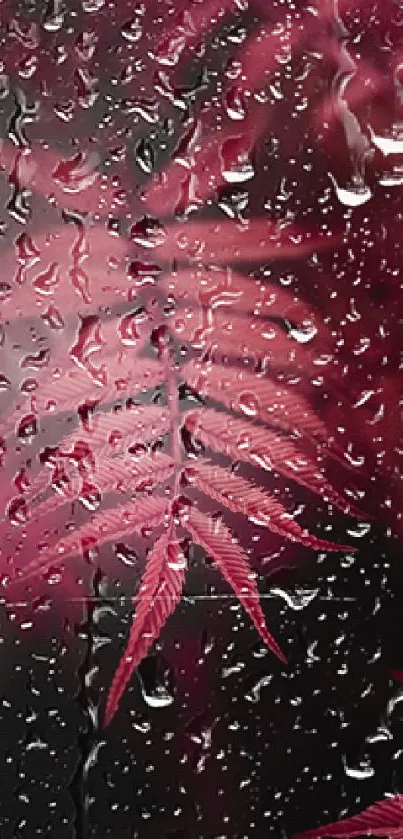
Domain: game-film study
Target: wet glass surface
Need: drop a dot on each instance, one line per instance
(200, 428)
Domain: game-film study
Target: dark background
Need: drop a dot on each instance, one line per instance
(214, 738)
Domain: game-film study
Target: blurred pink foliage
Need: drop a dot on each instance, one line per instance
(142, 282)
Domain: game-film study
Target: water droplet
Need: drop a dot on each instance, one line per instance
(91, 6)
(387, 145)
(126, 555)
(236, 166)
(361, 772)
(53, 575)
(78, 173)
(132, 30)
(301, 334)
(176, 560)
(90, 496)
(360, 529)
(157, 696)
(28, 428)
(298, 599)
(17, 511)
(248, 403)
(46, 282)
(254, 693)
(5, 383)
(235, 104)
(354, 194)
(148, 232)
(54, 16)
(144, 156)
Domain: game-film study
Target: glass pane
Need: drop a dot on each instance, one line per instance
(200, 388)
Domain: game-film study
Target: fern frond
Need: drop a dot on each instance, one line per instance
(217, 540)
(108, 475)
(105, 526)
(263, 447)
(385, 818)
(160, 591)
(255, 397)
(240, 496)
(210, 287)
(75, 183)
(225, 334)
(225, 242)
(116, 432)
(75, 387)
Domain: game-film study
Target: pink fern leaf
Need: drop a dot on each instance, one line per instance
(67, 268)
(385, 818)
(263, 447)
(106, 435)
(223, 156)
(241, 496)
(229, 334)
(113, 523)
(159, 593)
(215, 287)
(219, 543)
(222, 242)
(109, 475)
(75, 387)
(256, 397)
(116, 432)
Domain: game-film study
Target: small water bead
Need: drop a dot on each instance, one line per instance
(126, 555)
(17, 511)
(354, 194)
(5, 383)
(144, 156)
(90, 496)
(181, 508)
(248, 404)
(148, 232)
(28, 428)
(46, 282)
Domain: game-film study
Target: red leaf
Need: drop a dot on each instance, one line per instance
(114, 433)
(224, 156)
(69, 268)
(225, 333)
(107, 525)
(217, 540)
(385, 818)
(75, 387)
(240, 496)
(265, 448)
(108, 475)
(255, 397)
(160, 591)
(75, 183)
(223, 242)
(212, 287)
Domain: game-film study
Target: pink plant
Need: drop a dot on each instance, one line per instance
(190, 318)
(385, 818)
